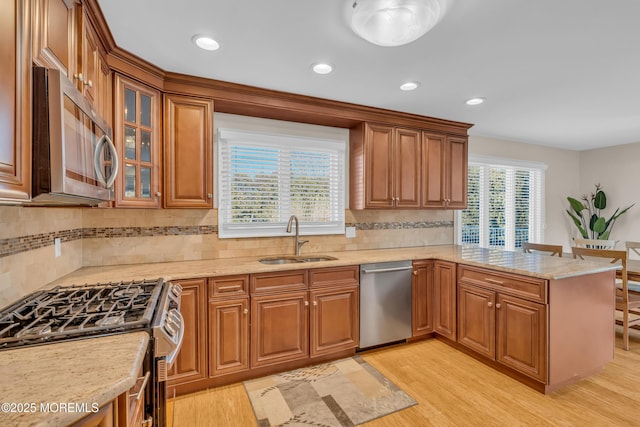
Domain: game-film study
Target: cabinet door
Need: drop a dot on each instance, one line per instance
(191, 363)
(279, 328)
(15, 101)
(188, 150)
(105, 417)
(334, 320)
(476, 319)
(444, 299)
(457, 173)
(228, 336)
(422, 298)
(137, 139)
(521, 336)
(88, 60)
(54, 35)
(433, 170)
(407, 165)
(378, 166)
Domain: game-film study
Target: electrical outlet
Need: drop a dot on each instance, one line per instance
(350, 232)
(57, 247)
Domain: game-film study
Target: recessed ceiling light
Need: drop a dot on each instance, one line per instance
(205, 42)
(322, 68)
(474, 101)
(409, 86)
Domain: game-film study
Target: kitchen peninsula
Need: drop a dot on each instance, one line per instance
(546, 321)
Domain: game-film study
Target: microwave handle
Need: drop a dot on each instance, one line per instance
(114, 161)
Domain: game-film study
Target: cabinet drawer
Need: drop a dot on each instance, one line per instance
(334, 276)
(279, 281)
(526, 287)
(228, 286)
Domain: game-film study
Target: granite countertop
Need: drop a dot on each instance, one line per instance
(534, 265)
(82, 374)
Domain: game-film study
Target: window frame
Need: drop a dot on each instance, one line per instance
(271, 140)
(536, 212)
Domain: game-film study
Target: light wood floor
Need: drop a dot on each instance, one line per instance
(453, 389)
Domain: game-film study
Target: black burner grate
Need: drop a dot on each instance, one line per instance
(78, 311)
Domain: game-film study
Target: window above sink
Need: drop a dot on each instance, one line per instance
(264, 178)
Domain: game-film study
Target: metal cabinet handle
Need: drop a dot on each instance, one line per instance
(315, 303)
(88, 83)
(498, 305)
(385, 270)
(158, 194)
(209, 196)
(245, 311)
(490, 304)
(494, 281)
(306, 303)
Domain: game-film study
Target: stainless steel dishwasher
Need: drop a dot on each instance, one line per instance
(385, 302)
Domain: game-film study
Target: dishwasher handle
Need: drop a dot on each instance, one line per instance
(385, 270)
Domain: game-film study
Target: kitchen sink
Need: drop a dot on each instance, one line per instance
(295, 259)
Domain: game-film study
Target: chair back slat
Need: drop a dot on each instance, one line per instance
(632, 247)
(552, 250)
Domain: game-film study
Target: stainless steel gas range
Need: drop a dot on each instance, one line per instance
(85, 311)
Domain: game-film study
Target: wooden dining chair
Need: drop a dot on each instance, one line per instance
(595, 243)
(632, 247)
(628, 304)
(540, 247)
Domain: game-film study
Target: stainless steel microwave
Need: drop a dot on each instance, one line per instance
(74, 159)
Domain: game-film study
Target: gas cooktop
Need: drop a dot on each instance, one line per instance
(72, 312)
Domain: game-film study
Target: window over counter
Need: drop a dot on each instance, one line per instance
(505, 204)
(265, 178)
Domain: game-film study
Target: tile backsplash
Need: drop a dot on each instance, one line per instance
(94, 237)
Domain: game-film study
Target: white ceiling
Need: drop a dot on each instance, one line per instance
(563, 73)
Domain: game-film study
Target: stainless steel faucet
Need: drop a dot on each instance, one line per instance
(299, 242)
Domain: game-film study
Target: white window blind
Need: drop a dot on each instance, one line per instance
(505, 204)
(266, 178)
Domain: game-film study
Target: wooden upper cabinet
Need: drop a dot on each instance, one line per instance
(15, 101)
(188, 151)
(137, 134)
(55, 35)
(407, 149)
(385, 167)
(444, 171)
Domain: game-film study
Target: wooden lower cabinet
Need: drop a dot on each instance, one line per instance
(502, 327)
(422, 298)
(444, 299)
(279, 328)
(228, 336)
(521, 336)
(106, 416)
(334, 319)
(191, 363)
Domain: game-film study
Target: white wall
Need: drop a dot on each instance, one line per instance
(562, 179)
(617, 169)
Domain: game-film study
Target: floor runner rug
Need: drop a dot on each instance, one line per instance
(346, 392)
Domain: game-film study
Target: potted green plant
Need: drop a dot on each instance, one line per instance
(588, 217)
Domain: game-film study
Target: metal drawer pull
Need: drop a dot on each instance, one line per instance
(494, 281)
(498, 305)
(227, 288)
(384, 270)
(142, 387)
(490, 304)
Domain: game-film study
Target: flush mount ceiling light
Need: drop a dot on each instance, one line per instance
(205, 42)
(395, 22)
(322, 68)
(474, 101)
(409, 86)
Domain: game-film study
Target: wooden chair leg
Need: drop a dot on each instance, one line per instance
(625, 329)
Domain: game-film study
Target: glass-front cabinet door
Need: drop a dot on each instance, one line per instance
(137, 135)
